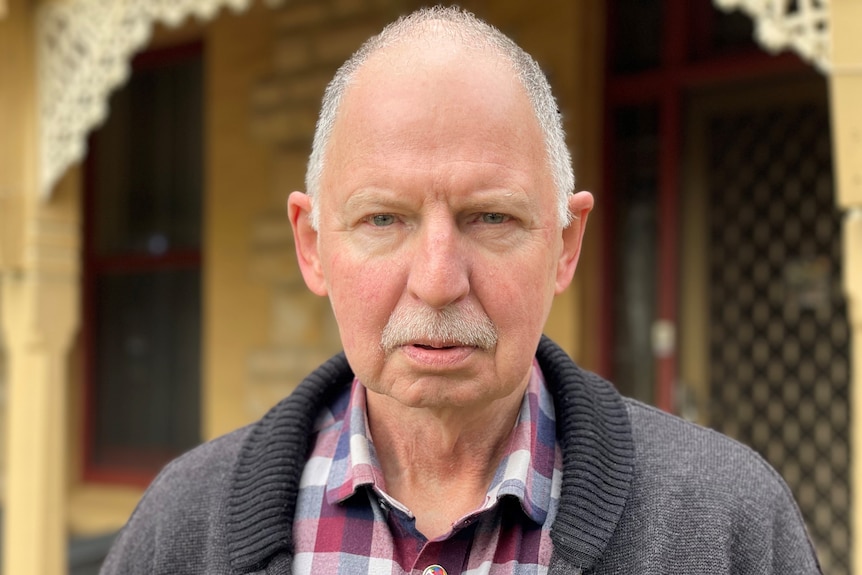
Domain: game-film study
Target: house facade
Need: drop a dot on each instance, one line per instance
(150, 298)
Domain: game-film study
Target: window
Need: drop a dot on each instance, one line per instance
(142, 271)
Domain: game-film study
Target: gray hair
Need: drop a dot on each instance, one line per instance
(465, 28)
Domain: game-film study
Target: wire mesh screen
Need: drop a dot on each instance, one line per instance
(779, 349)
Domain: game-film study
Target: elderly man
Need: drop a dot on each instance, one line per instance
(450, 437)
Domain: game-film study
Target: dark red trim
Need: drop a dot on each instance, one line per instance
(168, 55)
(669, 129)
(145, 263)
(700, 30)
(666, 86)
(668, 240)
(648, 86)
(673, 48)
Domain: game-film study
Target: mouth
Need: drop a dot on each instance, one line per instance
(436, 347)
(437, 355)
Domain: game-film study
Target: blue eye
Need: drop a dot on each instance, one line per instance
(494, 218)
(382, 220)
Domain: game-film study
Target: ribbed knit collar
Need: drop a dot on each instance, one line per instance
(592, 427)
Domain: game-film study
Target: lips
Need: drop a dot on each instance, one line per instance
(432, 346)
(442, 356)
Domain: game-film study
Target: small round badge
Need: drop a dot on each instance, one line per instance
(434, 570)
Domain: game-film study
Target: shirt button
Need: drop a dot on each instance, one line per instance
(434, 570)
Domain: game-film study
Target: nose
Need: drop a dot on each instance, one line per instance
(440, 268)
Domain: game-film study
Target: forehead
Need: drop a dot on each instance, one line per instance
(436, 95)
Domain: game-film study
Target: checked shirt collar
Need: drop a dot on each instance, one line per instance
(526, 471)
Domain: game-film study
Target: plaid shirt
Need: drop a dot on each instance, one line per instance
(346, 523)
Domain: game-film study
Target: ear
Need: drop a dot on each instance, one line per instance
(305, 238)
(580, 205)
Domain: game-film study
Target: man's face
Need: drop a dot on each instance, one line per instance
(436, 200)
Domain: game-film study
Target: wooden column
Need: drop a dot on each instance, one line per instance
(40, 306)
(38, 315)
(845, 86)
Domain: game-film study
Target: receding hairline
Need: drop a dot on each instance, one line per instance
(409, 56)
(405, 36)
(423, 48)
(467, 32)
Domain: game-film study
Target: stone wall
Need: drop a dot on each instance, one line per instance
(312, 38)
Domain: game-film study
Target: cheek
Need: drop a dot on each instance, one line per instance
(518, 294)
(362, 295)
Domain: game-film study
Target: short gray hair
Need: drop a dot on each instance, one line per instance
(468, 29)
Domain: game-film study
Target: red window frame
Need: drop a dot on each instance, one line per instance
(94, 265)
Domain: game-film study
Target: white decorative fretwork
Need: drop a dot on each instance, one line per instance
(802, 25)
(84, 49)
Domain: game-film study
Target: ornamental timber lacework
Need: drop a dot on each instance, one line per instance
(801, 25)
(84, 51)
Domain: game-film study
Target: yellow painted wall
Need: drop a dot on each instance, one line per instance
(239, 183)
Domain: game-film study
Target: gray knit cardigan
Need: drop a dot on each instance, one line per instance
(642, 492)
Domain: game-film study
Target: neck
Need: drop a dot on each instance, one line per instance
(430, 457)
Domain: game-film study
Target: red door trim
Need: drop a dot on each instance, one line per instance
(665, 87)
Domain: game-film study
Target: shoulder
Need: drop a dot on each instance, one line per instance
(199, 472)
(181, 515)
(693, 485)
(224, 505)
(700, 466)
(671, 445)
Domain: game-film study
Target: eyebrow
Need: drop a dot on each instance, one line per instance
(496, 197)
(372, 196)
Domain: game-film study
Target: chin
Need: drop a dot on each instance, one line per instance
(430, 392)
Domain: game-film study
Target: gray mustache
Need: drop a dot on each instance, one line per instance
(452, 325)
